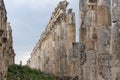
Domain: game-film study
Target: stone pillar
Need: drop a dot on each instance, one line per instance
(103, 31)
(95, 22)
(78, 59)
(88, 37)
(115, 36)
(115, 10)
(82, 17)
(104, 66)
(103, 54)
(63, 55)
(91, 65)
(88, 23)
(70, 28)
(57, 57)
(104, 37)
(70, 36)
(115, 50)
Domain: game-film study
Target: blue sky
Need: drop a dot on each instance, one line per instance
(28, 19)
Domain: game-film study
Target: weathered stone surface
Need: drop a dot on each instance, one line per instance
(6, 48)
(115, 10)
(115, 40)
(104, 66)
(88, 23)
(96, 55)
(104, 13)
(82, 13)
(95, 33)
(91, 65)
(116, 50)
(78, 59)
(104, 38)
(50, 53)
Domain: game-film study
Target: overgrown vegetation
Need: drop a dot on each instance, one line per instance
(17, 72)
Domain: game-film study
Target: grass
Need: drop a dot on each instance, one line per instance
(25, 73)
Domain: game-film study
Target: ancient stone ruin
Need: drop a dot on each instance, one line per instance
(6, 47)
(97, 54)
(52, 51)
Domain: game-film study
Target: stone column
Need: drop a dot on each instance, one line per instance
(91, 65)
(82, 17)
(77, 62)
(115, 50)
(63, 55)
(103, 39)
(70, 28)
(103, 54)
(56, 40)
(57, 47)
(70, 36)
(104, 66)
(88, 17)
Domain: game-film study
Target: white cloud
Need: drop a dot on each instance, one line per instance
(33, 4)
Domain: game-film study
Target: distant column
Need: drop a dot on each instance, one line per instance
(82, 16)
(70, 28)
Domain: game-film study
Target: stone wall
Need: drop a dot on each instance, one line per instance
(6, 48)
(51, 51)
(96, 55)
(10, 49)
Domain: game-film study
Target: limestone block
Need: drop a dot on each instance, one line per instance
(82, 5)
(79, 51)
(104, 38)
(104, 66)
(104, 13)
(115, 50)
(91, 65)
(79, 60)
(82, 15)
(90, 18)
(116, 40)
(115, 10)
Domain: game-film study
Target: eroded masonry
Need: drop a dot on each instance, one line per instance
(52, 51)
(6, 48)
(97, 54)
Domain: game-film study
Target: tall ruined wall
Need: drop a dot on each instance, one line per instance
(50, 53)
(96, 55)
(10, 49)
(6, 48)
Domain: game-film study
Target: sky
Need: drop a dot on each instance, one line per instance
(28, 20)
